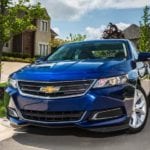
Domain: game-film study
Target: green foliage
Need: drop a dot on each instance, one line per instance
(14, 59)
(2, 110)
(71, 38)
(16, 55)
(56, 42)
(76, 37)
(4, 102)
(3, 84)
(144, 42)
(18, 17)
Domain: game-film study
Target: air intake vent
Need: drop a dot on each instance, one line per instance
(46, 116)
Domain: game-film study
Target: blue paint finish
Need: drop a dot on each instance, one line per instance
(120, 96)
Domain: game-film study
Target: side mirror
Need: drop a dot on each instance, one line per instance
(144, 56)
(39, 59)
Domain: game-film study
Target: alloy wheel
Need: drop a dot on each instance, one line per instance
(139, 110)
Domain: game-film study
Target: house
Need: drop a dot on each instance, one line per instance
(53, 34)
(132, 33)
(33, 42)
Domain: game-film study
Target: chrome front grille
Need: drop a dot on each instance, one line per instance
(65, 88)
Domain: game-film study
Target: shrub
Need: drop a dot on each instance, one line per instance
(14, 59)
(15, 55)
(4, 101)
(2, 111)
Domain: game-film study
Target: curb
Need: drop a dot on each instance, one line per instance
(6, 131)
(4, 122)
(145, 85)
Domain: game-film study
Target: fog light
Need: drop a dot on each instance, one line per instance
(107, 114)
(12, 112)
(11, 103)
(12, 108)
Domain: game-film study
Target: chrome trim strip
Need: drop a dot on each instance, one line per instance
(96, 114)
(59, 97)
(54, 81)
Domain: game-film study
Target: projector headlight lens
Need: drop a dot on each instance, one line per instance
(107, 82)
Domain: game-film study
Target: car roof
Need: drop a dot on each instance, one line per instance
(100, 40)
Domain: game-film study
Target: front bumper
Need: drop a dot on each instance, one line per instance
(96, 100)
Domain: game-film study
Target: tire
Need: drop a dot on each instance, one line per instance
(136, 124)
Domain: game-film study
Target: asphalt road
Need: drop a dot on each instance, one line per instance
(35, 138)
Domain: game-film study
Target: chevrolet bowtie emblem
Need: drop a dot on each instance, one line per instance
(49, 89)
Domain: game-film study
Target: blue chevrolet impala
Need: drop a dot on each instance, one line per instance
(95, 85)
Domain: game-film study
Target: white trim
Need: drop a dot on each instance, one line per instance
(44, 25)
(43, 48)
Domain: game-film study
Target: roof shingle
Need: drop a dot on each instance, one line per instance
(132, 32)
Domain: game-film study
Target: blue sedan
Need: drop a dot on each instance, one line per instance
(95, 85)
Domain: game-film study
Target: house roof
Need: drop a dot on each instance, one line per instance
(53, 33)
(132, 32)
(46, 13)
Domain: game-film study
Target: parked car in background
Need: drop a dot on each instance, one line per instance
(95, 85)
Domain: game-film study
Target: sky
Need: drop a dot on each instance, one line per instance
(91, 17)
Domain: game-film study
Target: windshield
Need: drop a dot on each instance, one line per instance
(82, 51)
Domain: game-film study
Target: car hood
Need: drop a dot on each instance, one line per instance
(71, 70)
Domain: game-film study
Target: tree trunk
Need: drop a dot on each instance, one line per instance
(1, 49)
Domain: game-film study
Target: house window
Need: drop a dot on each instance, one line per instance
(43, 49)
(44, 26)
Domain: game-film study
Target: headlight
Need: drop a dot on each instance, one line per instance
(111, 81)
(12, 83)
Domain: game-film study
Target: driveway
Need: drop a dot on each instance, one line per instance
(35, 138)
(10, 67)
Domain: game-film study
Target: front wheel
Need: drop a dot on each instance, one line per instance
(139, 112)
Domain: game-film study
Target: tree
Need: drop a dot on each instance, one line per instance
(75, 37)
(144, 42)
(56, 42)
(112, 32)
(16, 18)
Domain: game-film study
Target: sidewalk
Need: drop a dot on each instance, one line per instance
(7, 68)
(5, 130)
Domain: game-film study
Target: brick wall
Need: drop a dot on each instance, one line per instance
(28, 42)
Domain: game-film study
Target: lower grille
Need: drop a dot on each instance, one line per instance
(46, 116)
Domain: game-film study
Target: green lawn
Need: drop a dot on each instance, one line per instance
(3, 102)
